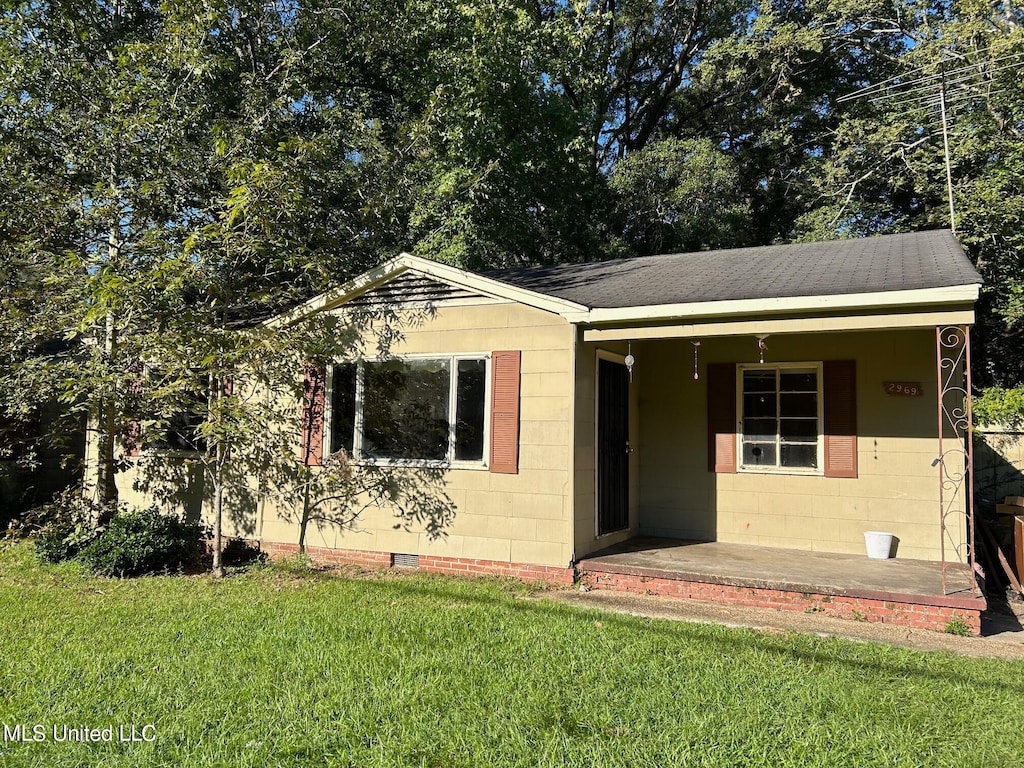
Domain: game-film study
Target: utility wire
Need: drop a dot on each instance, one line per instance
(940, 92)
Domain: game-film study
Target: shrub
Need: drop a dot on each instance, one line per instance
(60, 543)
(143, 542)
(61, 528)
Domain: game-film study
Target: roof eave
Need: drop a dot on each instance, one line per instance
(951, 295)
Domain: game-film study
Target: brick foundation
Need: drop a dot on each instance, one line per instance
(360, 557)
(920, 613)
(458, 566)
(455, 566)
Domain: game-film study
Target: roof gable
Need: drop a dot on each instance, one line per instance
(411, 287)
(410, 278)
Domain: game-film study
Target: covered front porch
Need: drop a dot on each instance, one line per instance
(804, 443)
(910, 592)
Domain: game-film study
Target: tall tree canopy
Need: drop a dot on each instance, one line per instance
(168, 167)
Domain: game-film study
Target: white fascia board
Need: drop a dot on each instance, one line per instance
(407, 262)
(330, 299)
(955, 294)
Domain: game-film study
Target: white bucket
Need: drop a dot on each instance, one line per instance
(879, 544)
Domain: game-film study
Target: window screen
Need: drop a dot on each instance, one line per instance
(343, 407)
(469, 409)
(780, 418)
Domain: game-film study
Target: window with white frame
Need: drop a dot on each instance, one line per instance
(780, 417)
(411, 409)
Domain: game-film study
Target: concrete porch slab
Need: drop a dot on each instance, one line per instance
(913, 582)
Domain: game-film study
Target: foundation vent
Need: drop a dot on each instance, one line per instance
(398, 560)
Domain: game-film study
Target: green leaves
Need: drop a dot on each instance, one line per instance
(680, 195)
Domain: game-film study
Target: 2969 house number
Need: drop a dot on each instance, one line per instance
(904, 388)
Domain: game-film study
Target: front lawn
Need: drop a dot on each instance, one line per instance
(273, 668)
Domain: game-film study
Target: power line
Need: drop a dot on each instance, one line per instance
(940, 92)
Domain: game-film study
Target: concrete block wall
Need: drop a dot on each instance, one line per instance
(521, 518)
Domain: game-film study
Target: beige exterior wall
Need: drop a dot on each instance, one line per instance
(520, 518)
(546, 514)
(896, 489)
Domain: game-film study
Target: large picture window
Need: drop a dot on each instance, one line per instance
(780, 414)
(410, 409)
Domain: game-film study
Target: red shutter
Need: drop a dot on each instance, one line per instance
(133, 439)
(840, 406)
(505, 412)
(313, 401)
(721, 379)
(133, 430)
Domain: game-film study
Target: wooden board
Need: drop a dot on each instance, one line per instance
(1017, 501)
(1010, 510)
(1018, 546)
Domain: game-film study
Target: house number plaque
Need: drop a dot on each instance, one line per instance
(903, 388)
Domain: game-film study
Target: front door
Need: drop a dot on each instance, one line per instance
(612, 447)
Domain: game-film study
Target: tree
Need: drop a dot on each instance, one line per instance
(885, 170)
(100, 115)
(679, 195)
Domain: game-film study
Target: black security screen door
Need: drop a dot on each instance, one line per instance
(612, 447)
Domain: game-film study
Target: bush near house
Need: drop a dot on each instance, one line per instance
(143, 542)
(135, 542)
(60, 528)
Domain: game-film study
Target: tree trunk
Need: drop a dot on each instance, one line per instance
(218, 516)
(307, 511)
(106, 426)
(218, 484)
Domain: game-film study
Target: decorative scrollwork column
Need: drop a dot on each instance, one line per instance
(956, 453)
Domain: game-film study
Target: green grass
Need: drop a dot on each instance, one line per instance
(277, 668)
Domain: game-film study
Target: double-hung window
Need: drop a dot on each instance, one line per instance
(411, 409)
(780, 417)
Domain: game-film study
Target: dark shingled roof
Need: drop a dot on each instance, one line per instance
(866, 265)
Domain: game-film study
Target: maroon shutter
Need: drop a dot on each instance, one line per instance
(505, 412)
(840, 406)
(133, 429)
(721, 379)
(133, 438)
(314, 397)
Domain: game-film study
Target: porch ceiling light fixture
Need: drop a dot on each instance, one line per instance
(696, 346)
(761, 346)
(630, 361)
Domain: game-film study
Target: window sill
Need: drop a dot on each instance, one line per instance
(421, 464)
(168, 454)
(809, 472)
